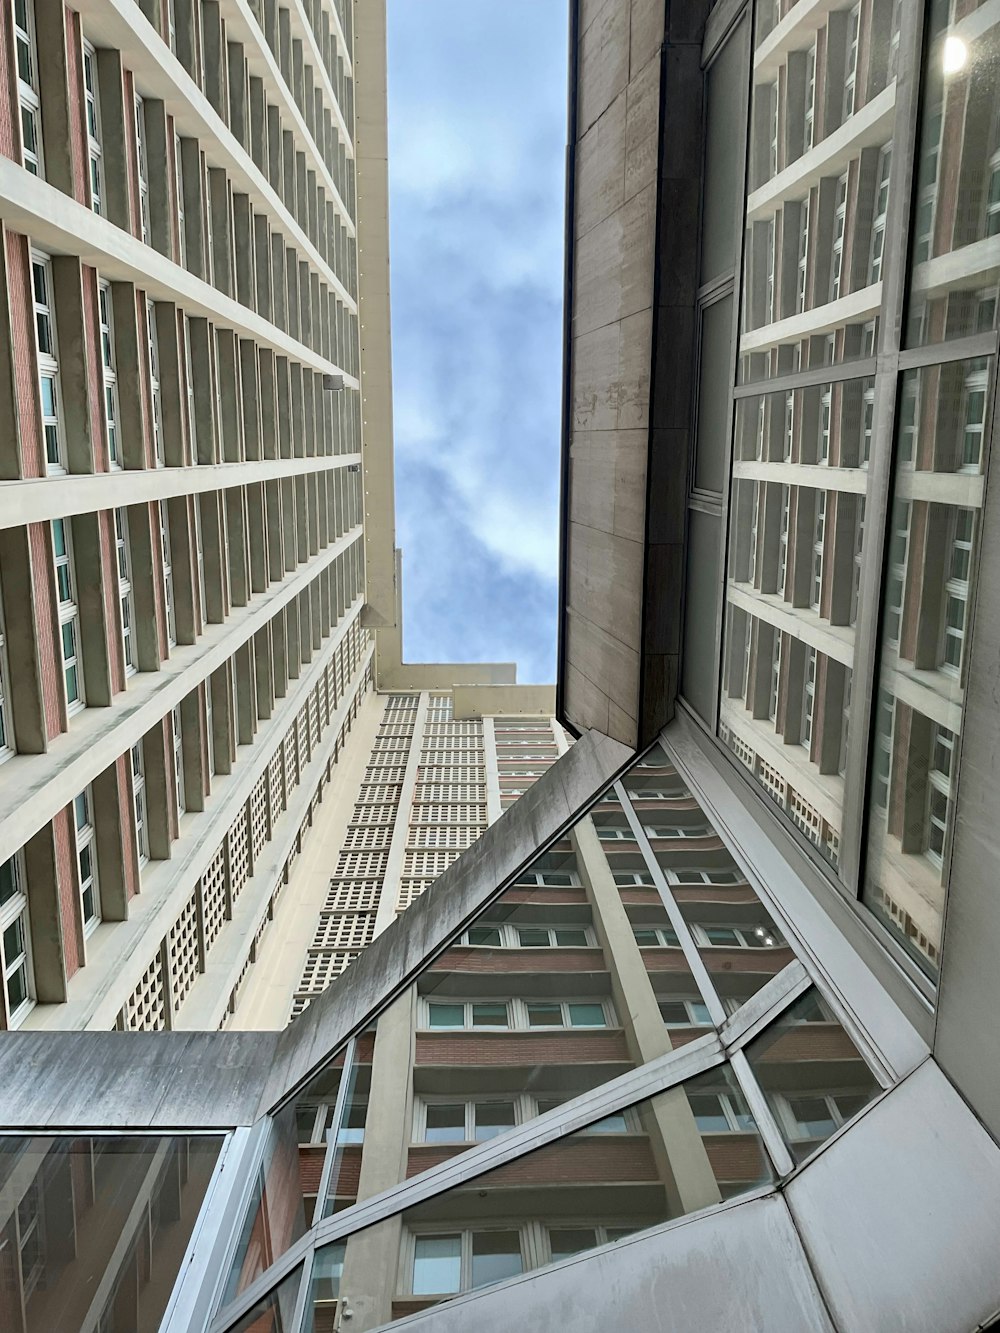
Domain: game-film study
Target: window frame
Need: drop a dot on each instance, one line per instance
(518, 1014)
(92, 120)
(509, 933)
(141, 167)
(140, 812)
(126, 600)
(48, 363)
(86, 840)
(68, 614)
(13, 910)
(109, 370)
(28, 94)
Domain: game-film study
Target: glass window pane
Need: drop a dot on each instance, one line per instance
(806, 1070)
(445, 1015)
(445, 1123)
(929, 590)
(489, 1015)
(956, 248)
(110, 1214)
(485, 935)
(530, 938)
(495, 1255)
(566, 1241)
(9, 880)
(275, 1311)
(492, 1118)
(437, 1265)
(544, 1015)
(587, 1016)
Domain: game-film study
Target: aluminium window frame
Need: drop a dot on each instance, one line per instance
(68, 611)
(85, 840)
(15, 910)
(92, 120)
(28, 94)
(48, 363)
(109, 371)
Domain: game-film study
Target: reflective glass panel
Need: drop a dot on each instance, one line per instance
(275, 1312)
(94, 1229)
(956, 219)
(811, 1073)
(933, 554)
(665, 1156)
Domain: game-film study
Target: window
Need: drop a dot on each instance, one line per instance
(818, 1115)
(810, 99)
(825, 412)
(769, 279)
(200, 557)
(839, 225)
(957, 589)
(529, 937)
(927, 184)
(564, 1242)
(939, 802)
(973, 415)
(808, 700)
(139, 799)
(69, 614)
(181, 235)
(192, 422)
(786, 493)
(209, 729)
(788, 435)
(48, 363)
(708, 877)
(504, 1015)
(800, 299)
(86, 860)
(15, 954)
(752, 552)
(154, 383)
(614, 833)
(772, 698)
(882, 757)
(701, 830)
(545, 1014)
(736, 937)
(851, 62)
(92, 100)
(126, 605)
(859, 544)
(896, 578)
(654, 937)
(719, 1113)
(106, 318)
(685, 1013)
(26, 50)
(457, 1016)
(178, 739)
(352, 1128)
(867, 423)
(992, 227)
(625, 878)
(143, 168)
(819, 527)
(881, 210)
(468, 1121)
(168, 574)
(461, 1261)
(772, 108)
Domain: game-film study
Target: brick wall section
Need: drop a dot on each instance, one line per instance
(95, 370)
(49, 649)
(345, 1181)
(523, 1048)
(79, 152)
(531, 961)
(69, 901)
(10, 138)
(714, 893)
(127, 819)
(22, 328)
(768, 962)
(811, 1042)
(112, 609)
(736, 1157)
(590, 1159)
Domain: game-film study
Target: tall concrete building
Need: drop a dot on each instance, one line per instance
(699, 1031)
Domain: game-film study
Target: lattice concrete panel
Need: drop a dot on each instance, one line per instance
(374, 837)
(455, 835)
(361, 865)
(302, 734)
(427, 864)
(258, 816)
(313, 720)
(182, 951)
(291, 764)
(409, 890)
(145, 1008)
(239, 854)
(323, 967)
(353, 895)
(379, 793)
(436, 812)
(213, 897)
(344, 930)
(276, 780)
(449, 791)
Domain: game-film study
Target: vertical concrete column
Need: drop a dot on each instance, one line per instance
(195, 204)
(17, 592)
(223, 728)
(257, 537)
(116, 125)
(203, 381)
(305, 627)
(74, 380)
(239, 119)
(160, 794)
(301, 533)
(292, 641)
(213, 540)
(258, 123)
(243, 240)
(95, 630)
(284, 407)
(264, 671)
(292, 291)
(372, 1255)
(250, 399)
(219, 202)
(239, 553)
(298, 413)
(230, 399)
(159, 150)
(262, 266)
(322, 510)
(48, 945)
(173, 389)
(246, 694)
(272, 509)
(113, 825)
(275, 160)
(194, 754)
(180, 521)
(131, 355)
(279, 301)
(279, 654)
(214, 30)
(53, 90)
(186, 36)
(305, 308)
(289, 542)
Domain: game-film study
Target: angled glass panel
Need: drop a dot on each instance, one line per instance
(935, 531)
(682, 1150)
(93, 1229)
(274, 1313)
(811, 1073)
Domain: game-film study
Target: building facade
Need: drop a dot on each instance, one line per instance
(181, 540)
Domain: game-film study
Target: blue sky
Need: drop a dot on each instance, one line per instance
(477, 128)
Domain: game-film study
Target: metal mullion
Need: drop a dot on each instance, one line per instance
(692, 956)
(767, 1126)
(262, 1285)
(765, 1005)
(305, 1287)
(957, 349)
(338, 1113)
(637, 1085)
(861, 369)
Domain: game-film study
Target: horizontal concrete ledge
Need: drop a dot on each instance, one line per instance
(57, 223)
(396, 957)
(135, 1080)
(34, 787)
(503, 701)
(40, 499)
